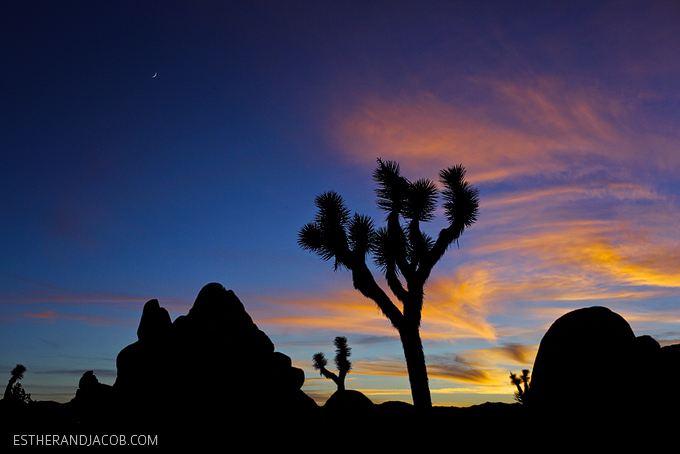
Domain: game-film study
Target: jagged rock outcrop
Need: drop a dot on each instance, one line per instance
(213, 360)
(94, 403)
(155, 322)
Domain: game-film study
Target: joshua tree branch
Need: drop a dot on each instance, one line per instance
(444, 240)
(363, 281)
(330, 375)
(395, 284)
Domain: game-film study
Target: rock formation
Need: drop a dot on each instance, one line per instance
(348, 401)
(590, 361)
(94, 403)
(213, 360)
(593, 343)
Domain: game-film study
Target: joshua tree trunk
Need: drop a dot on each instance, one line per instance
(341, 385)
(8, 390)
(339, 381)
(415, 364)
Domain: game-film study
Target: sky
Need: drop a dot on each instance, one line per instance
(151, 147)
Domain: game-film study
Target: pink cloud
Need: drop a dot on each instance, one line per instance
(86, 319)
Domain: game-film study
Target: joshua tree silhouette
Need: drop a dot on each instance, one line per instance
(401, 251)
(17, 374)
(344, 365)
(520, 394)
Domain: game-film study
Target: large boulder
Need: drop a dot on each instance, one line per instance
(348, 401)
(591, 365)
(583, 361)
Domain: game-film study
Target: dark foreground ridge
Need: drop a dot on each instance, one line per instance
(212, 376)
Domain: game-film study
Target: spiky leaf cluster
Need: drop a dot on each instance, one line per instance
(319, 361)
(403, 247)
(18, 371)
(461, 200)
(326, 236)
(335, 234)
(342, 353)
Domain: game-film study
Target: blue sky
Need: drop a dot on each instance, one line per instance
(119, 187)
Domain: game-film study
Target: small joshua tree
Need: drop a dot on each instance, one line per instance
(520, 394)
(344, 365)
(14, 390)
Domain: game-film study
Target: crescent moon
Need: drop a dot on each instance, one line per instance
(154, 75)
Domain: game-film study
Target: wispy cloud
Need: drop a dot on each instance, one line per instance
(341, 310)
(631, 247)
(517, 128)
(82, 318)
(458, 307)
(99, 373)
(484, 366)
(452, 310)
(458, 369)
(30, 290)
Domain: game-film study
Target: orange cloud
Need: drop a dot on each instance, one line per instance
(591, 259)
(552, 269)
(456, 308)
(610, 240)
(450, 367)
(516, 128)
(452, 310)
(424, 132)
(343, 310)
(571, 116)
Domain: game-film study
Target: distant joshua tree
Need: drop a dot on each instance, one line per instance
(520, 394)
(344, 365)
(403, 252)
(14, 390)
